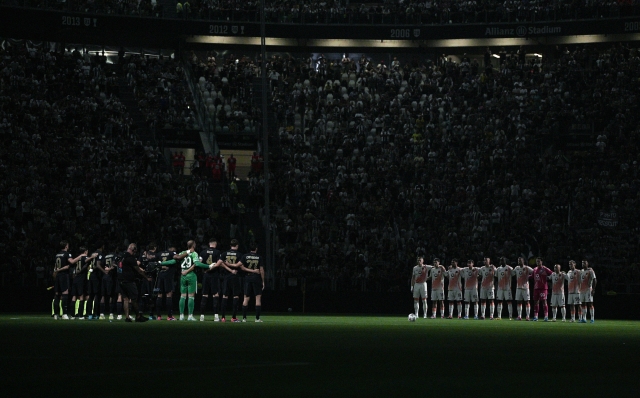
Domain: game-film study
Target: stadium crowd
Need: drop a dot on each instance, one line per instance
(340, 12)
(373, 163)
(380, 163)
(72, 166)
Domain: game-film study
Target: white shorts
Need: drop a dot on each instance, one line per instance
(420, 290)
(454, 295)
(586, 297)
(487, 294)
(504, 294)
(471, 296)
(522, 295)
(574, 299)
(437, 295)
(557, 300)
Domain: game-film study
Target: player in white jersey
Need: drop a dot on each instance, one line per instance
(587, 287)
(454, 293)
(522, 272)
(573, 287)
(504, 274)
(557, 292)
(419, 286)
(470, 275)
(437, 288)
(488, 273)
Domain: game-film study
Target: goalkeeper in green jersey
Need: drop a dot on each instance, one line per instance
(188, 280)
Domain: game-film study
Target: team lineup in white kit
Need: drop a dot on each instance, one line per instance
(581, 285)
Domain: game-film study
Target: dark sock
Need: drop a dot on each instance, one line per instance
(235, 307)
(203, 305)
(169, 305)
(258, 311)
(119, 307)
(56, 305)
(223, 308)
(143, 304)
(134, 306)
(65, 304)
(158, 305)
(102, 307)
(244, 311)
(215, 305)
(72, 308)
(112, 307)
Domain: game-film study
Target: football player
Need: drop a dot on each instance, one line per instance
(454, 289)
(437, 287)
(587, 287)
(522, 272)
(488, 273)
(419, 286)
(470, 275)
(505, 274)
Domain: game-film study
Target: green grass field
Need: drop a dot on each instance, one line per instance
(291, 355)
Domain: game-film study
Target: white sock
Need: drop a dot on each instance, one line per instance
(493, 309)
(555, 311)
(466, 310)
(475, 308)
(528, 310)
(424, 307)
(442, 310)
(510, 310)
(564, 313)
(500, 310)
(519, 310)
(451, 310)
(416, 306)
(460, 310)
(483, 307)
(592, 311)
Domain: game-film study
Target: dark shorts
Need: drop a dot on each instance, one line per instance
(77, 287)
(108, 287)
(210, 284)
(252, 286)
(146, 287)
(231, 286)
(62, 283)
(93, 287)
(128, 289)
(539, 294)
(165, 282)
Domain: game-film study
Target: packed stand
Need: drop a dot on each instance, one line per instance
(344, 12)
(72, 167)
(161, 90)
(146, 8)
(406, 12)
(380, 163)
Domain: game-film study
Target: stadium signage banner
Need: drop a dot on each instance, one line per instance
(109, 29)
(608, 219)
(523, 31)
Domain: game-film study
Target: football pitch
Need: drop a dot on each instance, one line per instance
(296, 355)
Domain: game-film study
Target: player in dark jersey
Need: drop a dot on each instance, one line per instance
(78, 285)
(210, 279)
(108, 286)
(146, 286)
(251, 265)
(128, 268)
(96, 270)
(231, 280)
(164, 283)
(61, 271)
